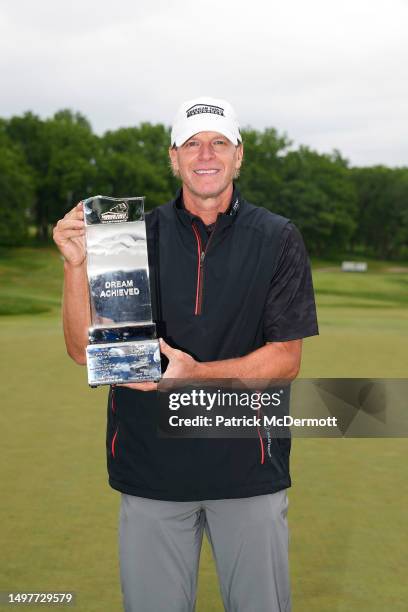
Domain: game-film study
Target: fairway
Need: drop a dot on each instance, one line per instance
(59, 517)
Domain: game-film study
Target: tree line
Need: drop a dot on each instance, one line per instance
(47, 165)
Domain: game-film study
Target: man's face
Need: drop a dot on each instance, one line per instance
(206, 163)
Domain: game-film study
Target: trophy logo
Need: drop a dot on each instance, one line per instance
(123, 345)
(116, 214)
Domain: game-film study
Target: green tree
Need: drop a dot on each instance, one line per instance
(382, 210)
(46, 166)
(319, 196)
(71, 172)
(261, 174)
(61, 153)
(16, 191)
(134, 161)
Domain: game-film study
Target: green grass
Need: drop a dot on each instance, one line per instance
(59, 516)
(30, 281)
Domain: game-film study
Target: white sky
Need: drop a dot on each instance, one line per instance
(329, 74)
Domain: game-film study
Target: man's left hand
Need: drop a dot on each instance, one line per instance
(181, 365)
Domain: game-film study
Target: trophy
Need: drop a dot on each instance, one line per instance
(123, 345)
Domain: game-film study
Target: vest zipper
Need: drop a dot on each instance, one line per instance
(113, 408)
(114, 442)
(201, 253)
(261, 442)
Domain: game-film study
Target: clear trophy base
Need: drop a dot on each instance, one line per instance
(118, 362)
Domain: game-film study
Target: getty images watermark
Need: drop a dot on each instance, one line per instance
(320, 407)
(220, 400)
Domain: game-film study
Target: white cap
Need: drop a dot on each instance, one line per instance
(205, 115)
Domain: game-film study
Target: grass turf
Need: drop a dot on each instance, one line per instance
(59, 518)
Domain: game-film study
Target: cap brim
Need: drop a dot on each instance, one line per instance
(207, 125)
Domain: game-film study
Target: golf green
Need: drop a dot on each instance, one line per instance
(59, 516)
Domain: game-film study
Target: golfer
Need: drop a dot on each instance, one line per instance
(232, 296)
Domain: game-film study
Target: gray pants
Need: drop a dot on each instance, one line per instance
(160, 545)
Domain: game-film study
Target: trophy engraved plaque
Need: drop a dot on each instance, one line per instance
(123, 345)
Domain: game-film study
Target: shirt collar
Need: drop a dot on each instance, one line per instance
(231, 211)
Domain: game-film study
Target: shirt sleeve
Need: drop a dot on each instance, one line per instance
(290, 309)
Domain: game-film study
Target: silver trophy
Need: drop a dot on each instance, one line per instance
(123, 345)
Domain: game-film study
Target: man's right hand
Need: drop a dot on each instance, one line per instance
(69, 236)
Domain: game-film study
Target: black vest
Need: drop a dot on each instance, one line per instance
(208, 298)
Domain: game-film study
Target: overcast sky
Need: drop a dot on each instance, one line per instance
(331, 74)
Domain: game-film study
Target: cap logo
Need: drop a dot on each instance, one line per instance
(197, 109)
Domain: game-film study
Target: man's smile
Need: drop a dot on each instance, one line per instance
(209, 171)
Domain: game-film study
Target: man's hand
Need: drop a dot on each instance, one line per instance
(69, 236)
(181, 365)
(275, 360)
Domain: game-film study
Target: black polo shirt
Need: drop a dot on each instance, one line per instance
(290, 309)
(216, 296)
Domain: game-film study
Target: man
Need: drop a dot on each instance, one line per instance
(232, 295)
